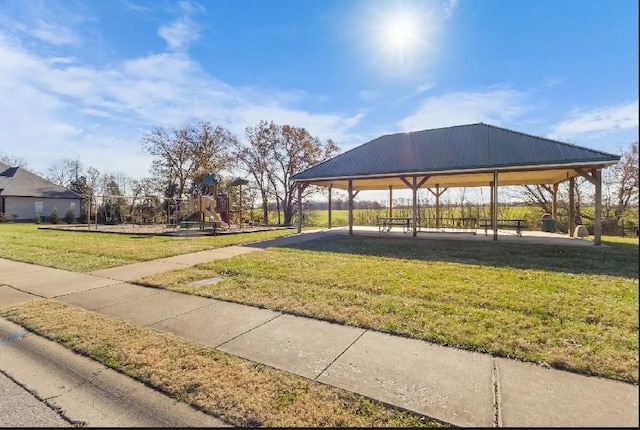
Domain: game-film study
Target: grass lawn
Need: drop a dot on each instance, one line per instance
(241, 392)
(84, 252)
(572, 308)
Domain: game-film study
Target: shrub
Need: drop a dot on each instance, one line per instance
(69, 217)
(3, 217)
(54, 218)
(84, 218)
(37, 219)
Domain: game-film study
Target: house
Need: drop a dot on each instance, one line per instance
(24, 194)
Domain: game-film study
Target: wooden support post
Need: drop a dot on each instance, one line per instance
(491, 204)
(554, 203)
(329, 208)
(597, 230)
(350, 206)
(495, 205)
(299, 207)
(414, 188)
(390, 201)
(437, 205)
(572, 205)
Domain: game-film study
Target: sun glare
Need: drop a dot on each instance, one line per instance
(402, 37)
(400, 32)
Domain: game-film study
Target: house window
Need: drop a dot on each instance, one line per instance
(72, 205)
(39, 207)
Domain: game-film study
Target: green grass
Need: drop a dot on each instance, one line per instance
(243, 393)
(573, 308)
(84, 252)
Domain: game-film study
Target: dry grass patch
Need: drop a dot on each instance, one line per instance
(240, 392)
(571, 308)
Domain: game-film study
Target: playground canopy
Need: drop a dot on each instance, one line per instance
(473, 155)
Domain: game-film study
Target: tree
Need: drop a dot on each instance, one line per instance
(621, 185)
(255, 157)
(13, 161)
(63, 171)
(183, 157)
(274, 153)
(295, 150)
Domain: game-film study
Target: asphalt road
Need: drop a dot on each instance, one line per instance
(20, 408)
(75, 391)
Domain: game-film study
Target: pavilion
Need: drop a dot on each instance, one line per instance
(474, 155)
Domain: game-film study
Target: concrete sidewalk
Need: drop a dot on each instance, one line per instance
(455, 386)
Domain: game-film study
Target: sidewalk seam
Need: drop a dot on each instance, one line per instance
(172, 316)
(245, 332)
(340, 355)
(497, 419)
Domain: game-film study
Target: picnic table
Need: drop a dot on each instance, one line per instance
(518, 224)
(385, 223)
(202, 225)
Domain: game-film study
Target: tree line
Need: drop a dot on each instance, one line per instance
(270, 154)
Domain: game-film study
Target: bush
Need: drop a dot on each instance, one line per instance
(84, 218)
(69, 217)
(54, 218)
(3, 217)
(37, 219)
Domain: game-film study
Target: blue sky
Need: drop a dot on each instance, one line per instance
(87, 79)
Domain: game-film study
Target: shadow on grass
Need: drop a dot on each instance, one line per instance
(616, 259)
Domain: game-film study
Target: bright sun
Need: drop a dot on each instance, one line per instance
(400, 32)
(402, 37)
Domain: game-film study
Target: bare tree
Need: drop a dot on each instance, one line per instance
(13, 161)
(64, 171)
(621, 185)
(255, 158)
(184, 156)
(295, 151)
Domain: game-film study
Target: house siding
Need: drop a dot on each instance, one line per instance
(24, 208)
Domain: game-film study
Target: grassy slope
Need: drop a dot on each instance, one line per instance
(573, 308)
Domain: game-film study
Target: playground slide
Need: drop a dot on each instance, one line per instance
(208, 208)
(215, 216)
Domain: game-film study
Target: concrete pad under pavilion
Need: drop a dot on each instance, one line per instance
(508, 236)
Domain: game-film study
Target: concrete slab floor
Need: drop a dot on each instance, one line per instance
(155, 308)
(298, 345)
(107, 296)
(533, 396)
(216, 324)
(447, 384)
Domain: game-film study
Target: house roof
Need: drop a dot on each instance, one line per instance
(464, 155)
(19, 182)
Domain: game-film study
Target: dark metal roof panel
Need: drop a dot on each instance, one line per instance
(459, 148)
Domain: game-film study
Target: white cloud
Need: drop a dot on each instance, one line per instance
(496, 107)
(180, 33)
(597, 122)
(54, 107)
(53, 34)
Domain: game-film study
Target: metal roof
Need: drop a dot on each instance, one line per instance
(18, 182)
(459, 150)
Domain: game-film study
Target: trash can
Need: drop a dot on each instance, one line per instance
(547, 223)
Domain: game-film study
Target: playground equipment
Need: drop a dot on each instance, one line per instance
(207, 209)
